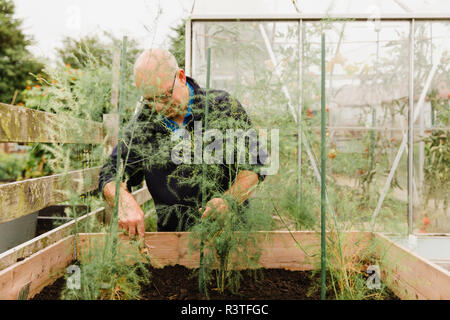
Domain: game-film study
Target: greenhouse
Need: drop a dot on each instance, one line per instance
(351, 99)
(378, 68)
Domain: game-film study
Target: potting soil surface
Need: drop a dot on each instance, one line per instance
(180, 283)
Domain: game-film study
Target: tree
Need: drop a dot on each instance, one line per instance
(16, 62)
(73, 51)
(177, 43)
(78, 52)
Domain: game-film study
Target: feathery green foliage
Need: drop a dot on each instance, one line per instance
(178, 43)
(110, 275)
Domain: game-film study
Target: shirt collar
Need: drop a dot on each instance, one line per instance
(172, 125)
(191, 94)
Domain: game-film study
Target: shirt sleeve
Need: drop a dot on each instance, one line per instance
(131, 161)
(240, 120)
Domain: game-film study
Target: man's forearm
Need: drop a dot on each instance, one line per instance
(131, 216)
(109, 191)
(244, 185)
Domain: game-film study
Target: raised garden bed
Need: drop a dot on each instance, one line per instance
(406, 274)
(180, 283)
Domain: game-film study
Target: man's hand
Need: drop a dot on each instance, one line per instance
(240, 191)
(215, 205)
(131, 216)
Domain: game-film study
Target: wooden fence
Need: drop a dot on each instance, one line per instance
(18, 199)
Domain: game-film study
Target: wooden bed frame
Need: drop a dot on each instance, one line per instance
(405, 273)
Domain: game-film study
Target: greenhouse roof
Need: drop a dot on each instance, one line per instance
(313, 9)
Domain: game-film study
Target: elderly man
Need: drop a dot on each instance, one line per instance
(173, 101)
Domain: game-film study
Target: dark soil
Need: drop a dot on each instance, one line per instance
(180, 283)
(52, 292)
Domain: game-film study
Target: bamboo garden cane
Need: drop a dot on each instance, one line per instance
(201, 275)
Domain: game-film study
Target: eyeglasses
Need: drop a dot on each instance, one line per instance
(164, 96)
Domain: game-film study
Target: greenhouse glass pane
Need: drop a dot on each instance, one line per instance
(375, 6)
(351, 7)
(242, 65)
(367, 73)
(258, 64)
(323, 7)
(428, 6)
(230, 7)
(432, 129)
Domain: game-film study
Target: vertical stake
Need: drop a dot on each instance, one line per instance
(299, 116)
(14, 97)
(322, 178)
(201, 274)
(372, 139)
(115, 79)
(411, 120)
(119, 142)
